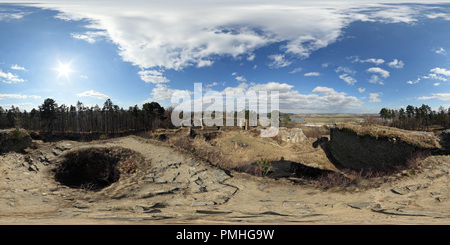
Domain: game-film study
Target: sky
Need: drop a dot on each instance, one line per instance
(321, 56)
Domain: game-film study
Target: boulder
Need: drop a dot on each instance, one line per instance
(14, 140)
(293, 135)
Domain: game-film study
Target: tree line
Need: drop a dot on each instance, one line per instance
(109, 119)
(416, 118)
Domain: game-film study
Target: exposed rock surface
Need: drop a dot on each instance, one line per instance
(376, 147)
(293, 135)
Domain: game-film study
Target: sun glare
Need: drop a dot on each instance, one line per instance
(64, 70)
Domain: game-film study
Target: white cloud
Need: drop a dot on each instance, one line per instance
(440, 51)
(345, 69)
(435, 77)
(178, 34)
(278, 61)
(444, 16)
(361, 90)
(90, 36)
(439, 96)
(12, 16)
(312, 74)
(416, 81)
(16, 67)
(93, 94)
(8, 77)
(204, 63)
(163, 92)
(348, 79)
(239, 78)
(374, 61)
(398, 64)
(322, 99)
(18, 96)
(370, 60)
(441, 71)
(298, 69)
(152, 76)
(376, 79)
(381, 72)
(438, 74)
(251, 57)
(373, 97)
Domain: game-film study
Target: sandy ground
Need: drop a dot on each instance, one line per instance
(171, 187)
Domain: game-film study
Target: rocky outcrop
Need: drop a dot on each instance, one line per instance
(293, 135)
(14, 140)
(376, 147)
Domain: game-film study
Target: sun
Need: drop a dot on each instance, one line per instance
(64, 70)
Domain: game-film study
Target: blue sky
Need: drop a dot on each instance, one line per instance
(322, 56)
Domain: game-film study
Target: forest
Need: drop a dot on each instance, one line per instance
(109, 119)
(416, 118)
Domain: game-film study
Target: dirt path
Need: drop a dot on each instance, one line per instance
(173, 188)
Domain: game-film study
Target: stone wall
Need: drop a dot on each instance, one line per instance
(368, 148)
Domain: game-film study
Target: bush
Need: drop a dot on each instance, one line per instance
(264, 167)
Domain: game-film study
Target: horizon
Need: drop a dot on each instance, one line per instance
(322, 57)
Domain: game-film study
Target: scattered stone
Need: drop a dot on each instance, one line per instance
(403, 202)
(359, 205)
(409, 212)
(164, 192)
(413, 187)
(203, 203)
(400, 190)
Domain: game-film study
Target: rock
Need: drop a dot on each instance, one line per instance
(413, 187)
(220, 175)
(297, 135)
(359, 205)
(294, 135)
(400, 190)
(203, 203)
(409, 212)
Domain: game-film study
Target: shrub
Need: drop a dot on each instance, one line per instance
(17, 134)
(264, 167)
